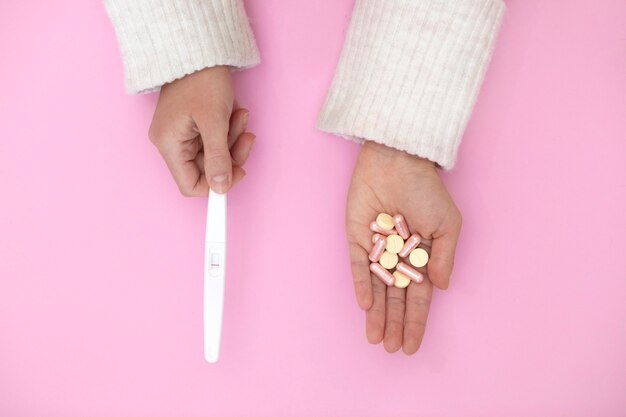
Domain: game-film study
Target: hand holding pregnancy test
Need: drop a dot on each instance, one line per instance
(402, 228)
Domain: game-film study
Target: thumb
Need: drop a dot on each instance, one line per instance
(217, 160)
(442, 259)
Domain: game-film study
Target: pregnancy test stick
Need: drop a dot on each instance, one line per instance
(214, 274)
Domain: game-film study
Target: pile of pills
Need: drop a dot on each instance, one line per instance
(393, 244)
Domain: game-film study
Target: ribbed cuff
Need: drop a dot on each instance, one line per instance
(162, 40)
(410, 72)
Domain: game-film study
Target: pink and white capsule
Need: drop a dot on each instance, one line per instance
(377, 250)
(409, 272)
(410, 244)
(374, 227)
(401, 226)
(376, 237)
(384, 275)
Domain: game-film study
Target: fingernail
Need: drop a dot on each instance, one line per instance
(219, 183)
(246, 117)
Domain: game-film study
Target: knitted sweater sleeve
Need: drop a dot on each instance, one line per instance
(162, 40)
(410, 72)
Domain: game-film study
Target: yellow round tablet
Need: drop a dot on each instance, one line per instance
(402, 281)
(395, 243)
(385, 221)
(388, 260)
(418, 257)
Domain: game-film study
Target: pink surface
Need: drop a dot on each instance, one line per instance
(101, 259)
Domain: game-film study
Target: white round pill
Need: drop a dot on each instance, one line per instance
(395, 243)
(402, 281)
(388, 260)
(385, 221)
(418, 257)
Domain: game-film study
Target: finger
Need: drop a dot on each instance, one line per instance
(418, 298)
(240, 151)
(361, 275)
(375, 316)
(200, 162)
(441, 260)
(237, 125)
(213, 126)
(180, 158)
(394, 325)
(238, 174)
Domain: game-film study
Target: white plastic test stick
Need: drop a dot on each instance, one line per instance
(214, 274)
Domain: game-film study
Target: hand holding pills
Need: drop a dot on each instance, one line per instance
(386, 250)
(395, 263)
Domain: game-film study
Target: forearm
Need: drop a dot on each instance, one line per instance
(163, 40)
(410, 73)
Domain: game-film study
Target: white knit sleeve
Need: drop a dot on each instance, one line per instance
(162, 40)
(410, 72)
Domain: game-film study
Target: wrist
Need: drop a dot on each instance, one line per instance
(387, 155)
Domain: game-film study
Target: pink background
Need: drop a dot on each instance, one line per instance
(101, 258)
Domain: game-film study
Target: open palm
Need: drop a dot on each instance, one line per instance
(386, 180)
